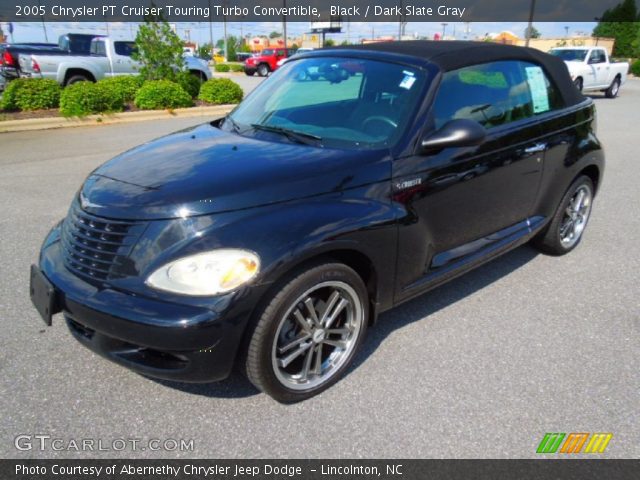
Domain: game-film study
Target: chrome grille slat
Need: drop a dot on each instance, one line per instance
(92, 245)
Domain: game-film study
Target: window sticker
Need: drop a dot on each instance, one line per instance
(538, 86)
(408, 80)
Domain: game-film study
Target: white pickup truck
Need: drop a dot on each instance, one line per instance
(106, 58)
(591, 69)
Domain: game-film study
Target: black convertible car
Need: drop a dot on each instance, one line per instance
(272, 238)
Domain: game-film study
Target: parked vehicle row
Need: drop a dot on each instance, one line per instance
(105, 58)
(591, 69)
(272, 238)
(78, 57)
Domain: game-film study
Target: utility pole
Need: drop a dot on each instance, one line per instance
(284, 23)
(444, 29)
(44, 27)
(530, 26)
(348, 31)
(210, 30)
(226, 52)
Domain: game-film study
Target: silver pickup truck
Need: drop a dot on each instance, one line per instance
(106, 58)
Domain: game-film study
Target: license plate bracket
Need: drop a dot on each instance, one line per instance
(43, 295)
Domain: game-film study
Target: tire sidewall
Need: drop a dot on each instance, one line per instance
(272, 319)
(557, 220)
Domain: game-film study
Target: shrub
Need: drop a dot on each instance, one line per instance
(84, 98)
(220, 91)
(635, 68)
(123, 86)
(189, 82)
(161, 94)
(237, 67)
(222, 67)
(31, 94)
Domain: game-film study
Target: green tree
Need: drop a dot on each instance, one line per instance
(275, 34)
(622, 23)
(205, 50)
(159, 50)
(535, 33)
(329, 42)
(636, 45)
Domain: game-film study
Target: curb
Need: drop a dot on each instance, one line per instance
(111, 119)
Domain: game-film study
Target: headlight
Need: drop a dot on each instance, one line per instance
(208, 273)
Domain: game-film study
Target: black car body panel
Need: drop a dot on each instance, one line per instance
(205, 170)
(405, 220)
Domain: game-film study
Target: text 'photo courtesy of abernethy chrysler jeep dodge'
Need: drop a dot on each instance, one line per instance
(351, 180)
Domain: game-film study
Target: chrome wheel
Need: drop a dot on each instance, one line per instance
(576, 216)
(317, 335)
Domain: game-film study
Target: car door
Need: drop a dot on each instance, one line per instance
(99, 58)
(463, 202)
(598, 67)
(123, 64)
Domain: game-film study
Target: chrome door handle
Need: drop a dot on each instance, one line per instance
(537, 148)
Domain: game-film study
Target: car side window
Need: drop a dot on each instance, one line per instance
(597, 56)
(98, 48)
(125, 49)
(494, 94)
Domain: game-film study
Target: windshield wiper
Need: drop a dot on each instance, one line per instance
(295, 135)
(234, 124)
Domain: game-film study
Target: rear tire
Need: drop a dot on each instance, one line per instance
(570, 220)
(578, 83)
(614, 89)
(75, 79)
(305, 338)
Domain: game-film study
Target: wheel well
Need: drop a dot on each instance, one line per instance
(593, 173)
(354, 259)
(77, 71)
(199, 74)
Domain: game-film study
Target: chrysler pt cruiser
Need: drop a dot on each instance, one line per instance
(350, 181)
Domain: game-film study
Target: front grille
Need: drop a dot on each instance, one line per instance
(94, 246)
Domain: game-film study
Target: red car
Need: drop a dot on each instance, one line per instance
(266, 61)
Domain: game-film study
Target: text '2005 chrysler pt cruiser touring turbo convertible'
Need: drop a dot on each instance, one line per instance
(352, 180)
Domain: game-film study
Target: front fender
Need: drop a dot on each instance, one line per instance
(361, 221)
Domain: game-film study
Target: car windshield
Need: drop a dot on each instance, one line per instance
(333, 102)
(267, 52)
(570, 55)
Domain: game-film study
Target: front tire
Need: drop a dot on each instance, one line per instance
(570, 220)
(305, 338)
(263, 70)
(614, 89)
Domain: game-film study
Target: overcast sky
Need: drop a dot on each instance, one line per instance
(199, 31)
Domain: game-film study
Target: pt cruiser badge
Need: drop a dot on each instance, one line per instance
(350, 181)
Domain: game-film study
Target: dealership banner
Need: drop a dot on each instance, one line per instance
(323, 11)
(318, 469)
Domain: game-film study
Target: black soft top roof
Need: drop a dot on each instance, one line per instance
(451, 55)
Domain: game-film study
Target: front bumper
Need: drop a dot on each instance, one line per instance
(161, 339)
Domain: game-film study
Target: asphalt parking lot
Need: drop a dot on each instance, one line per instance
(482, 367)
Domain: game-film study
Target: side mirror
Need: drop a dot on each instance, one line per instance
(455, 133)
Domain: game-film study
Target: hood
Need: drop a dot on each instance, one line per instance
(205, 170)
